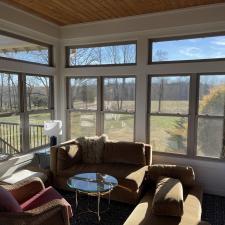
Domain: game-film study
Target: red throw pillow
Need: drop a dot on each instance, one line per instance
(7, 202)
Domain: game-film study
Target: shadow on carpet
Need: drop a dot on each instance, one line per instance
(213, 210)
(116, 215)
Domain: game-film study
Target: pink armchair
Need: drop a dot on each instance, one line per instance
(37, 205)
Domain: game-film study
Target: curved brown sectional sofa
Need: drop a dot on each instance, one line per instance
(131, 164)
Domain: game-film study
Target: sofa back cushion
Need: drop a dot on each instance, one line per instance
(184, 173)
(92, 148)
(168, 198)
(7, 202)
(124, 152)
(67, 156)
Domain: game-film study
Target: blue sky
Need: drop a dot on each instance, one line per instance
(37, 56)
(197, 48)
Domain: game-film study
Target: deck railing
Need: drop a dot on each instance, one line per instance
(10, 137)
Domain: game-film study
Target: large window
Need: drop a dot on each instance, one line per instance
(119, 108)
(23, 111)
(19, 48)
(10, 133)
(99, 55)
(187, 49)
(39, 105)
(168, 113)
(83, 106)
(102, 105)
(211, 109)
(187, 122)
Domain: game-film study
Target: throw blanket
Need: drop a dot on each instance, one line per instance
(92, 148)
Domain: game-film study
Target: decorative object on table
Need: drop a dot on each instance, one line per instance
(93, 184)
(53, 128)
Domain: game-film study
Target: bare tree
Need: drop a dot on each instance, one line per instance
(161, 55)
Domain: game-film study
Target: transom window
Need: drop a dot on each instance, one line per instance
(209, 47)
(24, 49)
(102, 54)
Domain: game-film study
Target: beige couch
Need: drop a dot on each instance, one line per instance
(127, 161)
(143, 213)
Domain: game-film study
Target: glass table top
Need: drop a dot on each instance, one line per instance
(92, 182)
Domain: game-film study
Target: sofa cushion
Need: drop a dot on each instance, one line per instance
(67, 156)
(44, 197)
(7, 202)
(92, 148)
(168, 199)
(143, 213)
(129, 177)
(125, 152)
(184, 173)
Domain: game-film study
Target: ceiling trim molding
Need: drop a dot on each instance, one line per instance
(27, 20)
(146, 22)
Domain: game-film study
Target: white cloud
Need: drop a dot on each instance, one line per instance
(219, 41)
(193, 52)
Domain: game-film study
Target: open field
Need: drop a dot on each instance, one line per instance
(167, 133)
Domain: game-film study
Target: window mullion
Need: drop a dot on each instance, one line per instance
(99, 120)
(24, 115)
(192, 118)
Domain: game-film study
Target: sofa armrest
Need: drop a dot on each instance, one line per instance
(148, 154)
(64, 156)
(53, 211)
(24, 190)
(53, 155)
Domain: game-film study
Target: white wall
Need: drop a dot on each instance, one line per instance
(196, 20)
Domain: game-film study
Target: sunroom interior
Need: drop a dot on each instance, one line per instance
(149, 72)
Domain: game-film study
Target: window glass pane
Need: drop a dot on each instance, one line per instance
(189, 49)
(84, 93)
(170, 94)
(212, 95)
(119, 94)
(10, 142)
(103, 55)
(119, 126)
(169, 134)
(82, 124)
(37, 91)
(210, 137)
(22, 50)
(36, 130)
(8, 92)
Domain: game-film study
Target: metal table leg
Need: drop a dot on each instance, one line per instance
(76, 200)
(99, 197)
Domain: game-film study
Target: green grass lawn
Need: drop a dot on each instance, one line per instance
(164, 134)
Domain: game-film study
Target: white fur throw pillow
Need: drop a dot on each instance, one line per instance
(92, 148)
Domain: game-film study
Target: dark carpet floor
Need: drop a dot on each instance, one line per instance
(213, 210)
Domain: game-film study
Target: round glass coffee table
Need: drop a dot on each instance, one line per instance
(93, 184)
